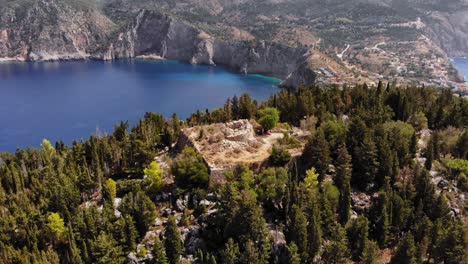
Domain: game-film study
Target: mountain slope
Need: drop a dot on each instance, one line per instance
(340, 40)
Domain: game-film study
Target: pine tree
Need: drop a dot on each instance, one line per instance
(381, 219)
(461, 149)
(73, 251)
(131, 233)
(328, 217)
(336, 251)
(429, 156)
(317, 154)
(175, 124)
(159, 255)
(365, 163)
(433, 150)
(235, 108)
(406, 252)
(342, 181)
(358, 239)
(250, 254)
(314, 233)
(105, 250)
(246, 107)
(292, 255)
(371, 253)
(298, 230)
(245, 221)
(172, 242)
(441, 209)
(455, 244)
(228, 110)
(230, 253)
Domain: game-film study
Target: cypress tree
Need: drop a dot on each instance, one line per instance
(317, 154)
(73, 250)
(235, 108)
(365, 163)
(455, 244)
(342, 181)
(292, 255)
(105, 250)
(230, 253)
(250, 254)
(461, 149)
(159, 255)
(370, 254)
(298, 230)
(336, 251)
(381, 219)
(358, 239)
(406, 252)
(314, 233)
(172, 242)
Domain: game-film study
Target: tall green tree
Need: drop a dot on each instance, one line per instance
(406, 252)
(358, 237)
(105, 250)
(292, 256)
(298, 230)
(343, 182)
(314, 232)
(317, 154)
(172, 242)
(190, 170)
(159, 254)
(365, 163)
(231, 252)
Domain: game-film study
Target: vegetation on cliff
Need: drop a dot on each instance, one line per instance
(90, 202)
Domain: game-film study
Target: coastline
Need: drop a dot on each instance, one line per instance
(146, 57)
(6, 59)
(150, 57)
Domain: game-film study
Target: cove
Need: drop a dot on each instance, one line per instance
(461, 64)
(71, 100)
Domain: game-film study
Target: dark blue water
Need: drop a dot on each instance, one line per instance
(461, 64)
(71, 100)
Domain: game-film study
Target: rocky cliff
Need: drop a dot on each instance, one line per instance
(279, 36)
(450, 31)
(152, 32)
(51, 30)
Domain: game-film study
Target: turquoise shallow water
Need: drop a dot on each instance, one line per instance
(71, 100)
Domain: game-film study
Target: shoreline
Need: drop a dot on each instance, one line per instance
(150, 57)
(145, 57)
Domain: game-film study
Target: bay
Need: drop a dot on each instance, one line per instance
(71, 100)
(461, 64)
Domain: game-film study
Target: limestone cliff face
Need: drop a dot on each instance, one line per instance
(450, 31)
(303, 74)
(156, 33)
(50, 30)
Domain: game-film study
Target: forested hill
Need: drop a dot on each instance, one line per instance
(380, 180)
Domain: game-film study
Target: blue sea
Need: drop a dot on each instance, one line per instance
(72, 100)
(461, 64)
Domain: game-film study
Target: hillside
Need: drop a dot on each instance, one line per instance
(369, 174)
(359, 41)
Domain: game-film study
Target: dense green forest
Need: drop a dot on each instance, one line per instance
(95, 200)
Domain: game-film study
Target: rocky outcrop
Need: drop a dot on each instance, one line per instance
(449, 31)
(303, 74)
(51, 30)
